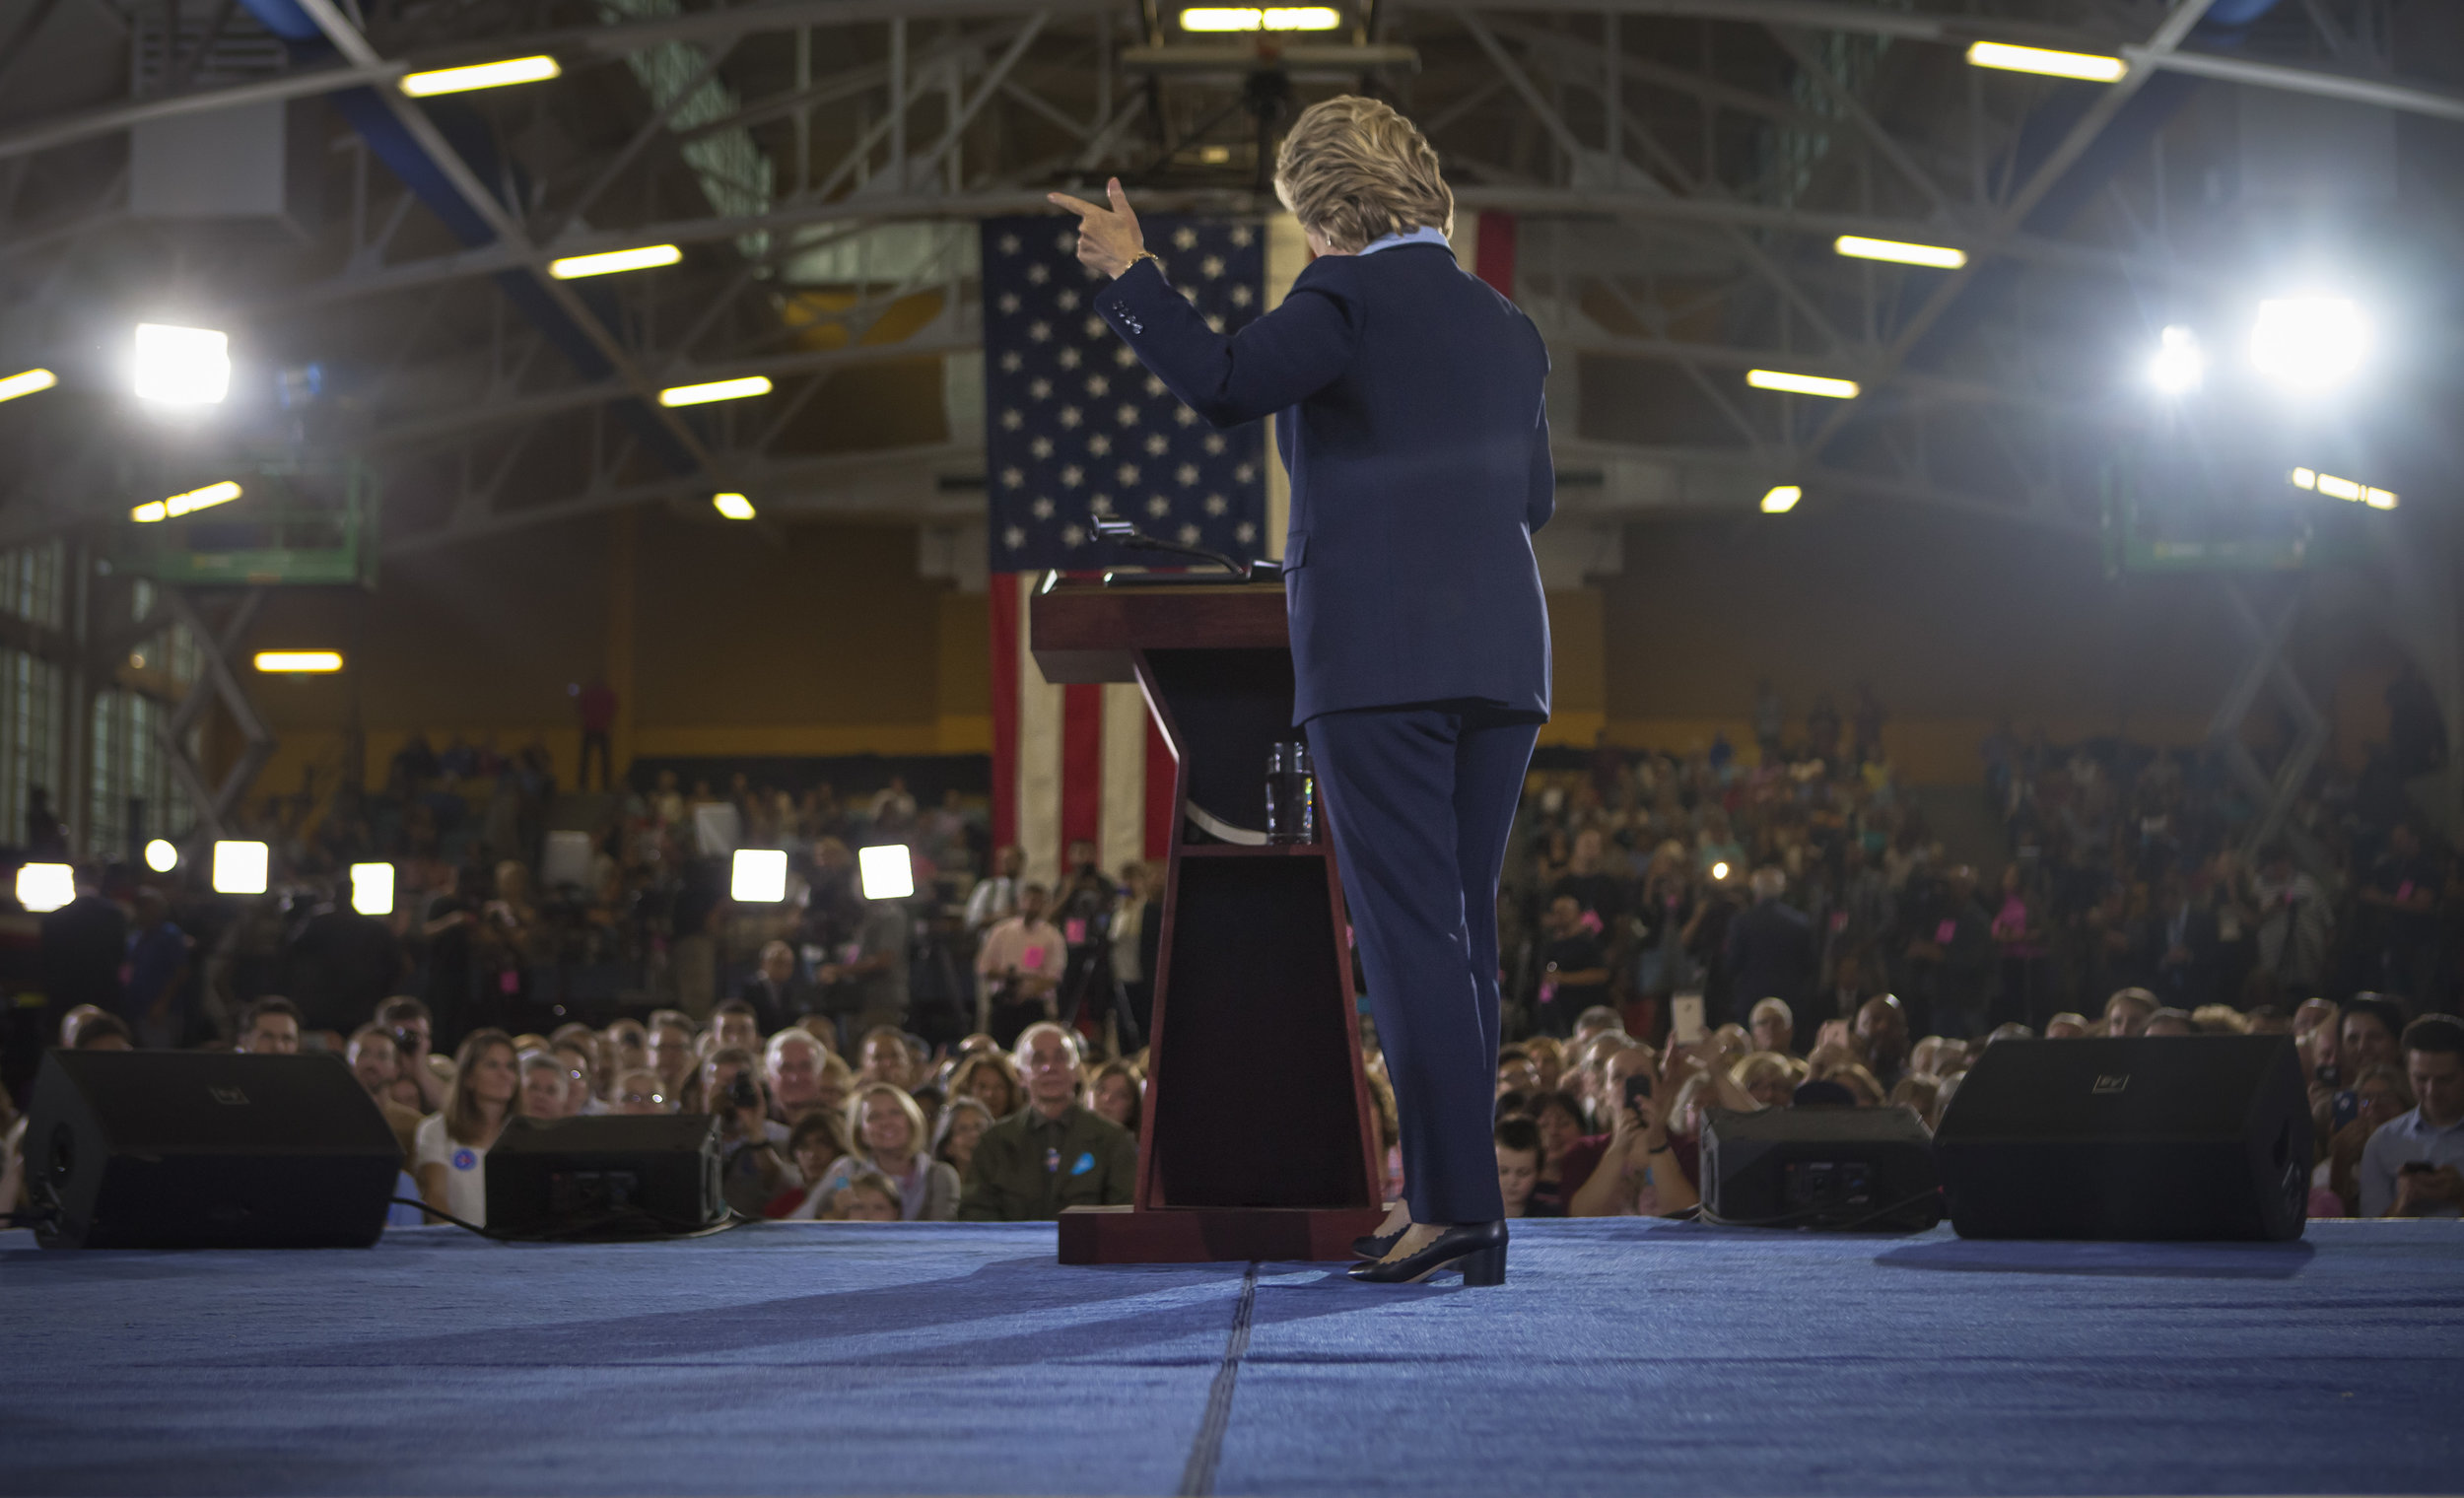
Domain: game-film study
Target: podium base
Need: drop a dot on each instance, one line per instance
(1100, 1235)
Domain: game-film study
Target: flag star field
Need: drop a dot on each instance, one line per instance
(1076, 428)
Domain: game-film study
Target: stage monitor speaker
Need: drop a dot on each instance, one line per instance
(190, 1149)
(610, 1175)
(1837, 1168)
(2198, 1136)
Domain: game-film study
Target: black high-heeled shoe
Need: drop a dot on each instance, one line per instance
(1477, 1248)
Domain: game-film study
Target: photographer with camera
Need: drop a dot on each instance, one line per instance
(1018, 970)
(2414, 1166)
(752, 1147)
(1638, 1176)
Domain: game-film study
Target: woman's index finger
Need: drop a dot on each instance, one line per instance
(1077, 206)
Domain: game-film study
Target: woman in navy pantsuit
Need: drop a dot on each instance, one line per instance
(1411, 422)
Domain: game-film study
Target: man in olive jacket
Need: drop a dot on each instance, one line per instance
(1052, 1153)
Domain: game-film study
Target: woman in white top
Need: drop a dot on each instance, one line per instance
(889, 1131)
(451, 1145)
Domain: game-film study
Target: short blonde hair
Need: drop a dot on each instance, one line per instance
(1355, 171)
(919, 1138)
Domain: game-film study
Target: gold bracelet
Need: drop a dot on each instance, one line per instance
(1147, 255)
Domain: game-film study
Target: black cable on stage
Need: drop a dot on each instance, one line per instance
(668, 1230)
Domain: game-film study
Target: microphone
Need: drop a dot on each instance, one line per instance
(1128, 535)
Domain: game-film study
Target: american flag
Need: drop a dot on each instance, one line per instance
(1076, 428)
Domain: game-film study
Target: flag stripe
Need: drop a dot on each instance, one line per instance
(1124, 838)
(1040, 711)
(1082, 763)
(1001, 608)
(1161, 768)
(1493, 260)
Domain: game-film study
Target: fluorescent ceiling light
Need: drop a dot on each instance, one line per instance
(372, 888)
(182, 365)
(186, 504)
(45, 887)
(889, 873)
(758, 876)
(734, 506)
(1782, 499)
(1274, 17)
(646, 257)
(2309, 342)
(717, 389)
(1939, 256)
(2091, 66)
(27, 383)
(161, 857)
(2344, 488)
(2180, 365)
(483, 74)
(1801, 384)
(240, 868)
(292, 662)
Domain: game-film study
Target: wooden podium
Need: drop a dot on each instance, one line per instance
(1258, 1141)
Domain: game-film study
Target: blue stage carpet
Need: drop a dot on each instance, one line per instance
(1623, 1357)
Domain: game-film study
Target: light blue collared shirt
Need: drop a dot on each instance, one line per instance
(1423, 234)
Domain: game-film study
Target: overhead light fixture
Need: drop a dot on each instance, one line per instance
(2309, 343)
(372, 888)
(161, 857)
(297, 662)
(717, 389)
(2348, 489)
(2092, 67)
(2180, 365)
(1782, 499)
(758, 876)
(240, 868)
(182, 365)
(1801, 384)
(1939, 256)
(734, 506)
(27, 383)
(1273, 18)
(186, 504)
(888, 871)
(482, 75)
(646, 257)
(45, 887)
(1719, 871)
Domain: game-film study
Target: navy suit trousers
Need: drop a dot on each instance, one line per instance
(1420, 800)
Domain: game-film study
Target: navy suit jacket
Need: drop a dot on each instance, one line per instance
(1411, 422)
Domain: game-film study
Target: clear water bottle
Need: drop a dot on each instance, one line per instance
(1291, 795)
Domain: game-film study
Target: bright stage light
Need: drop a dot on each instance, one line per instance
(161, 857)
(186, 504)
(45, 887)
(483, 74)
(1939, 256)
(648, 257)
(240, 868)
(734, 506)
(1782, 499)
(297, 662)
(717, 389)
(888, 871)
(1719, 871)
(1277, 18)
(1801, 384)
(2309, 343)
(372, 888)
(758, 876)
(2180, 365)
(2089, 66)
(182, 365)
(27, 383)
(2348, 489)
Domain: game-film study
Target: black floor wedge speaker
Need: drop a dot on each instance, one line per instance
(182, 1149)
(2201, 1136)
(612, 1176)
(1844, 1169)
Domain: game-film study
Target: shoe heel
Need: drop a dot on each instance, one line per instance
(1483, 1267)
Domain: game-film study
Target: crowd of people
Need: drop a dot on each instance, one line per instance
(1679, 933)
